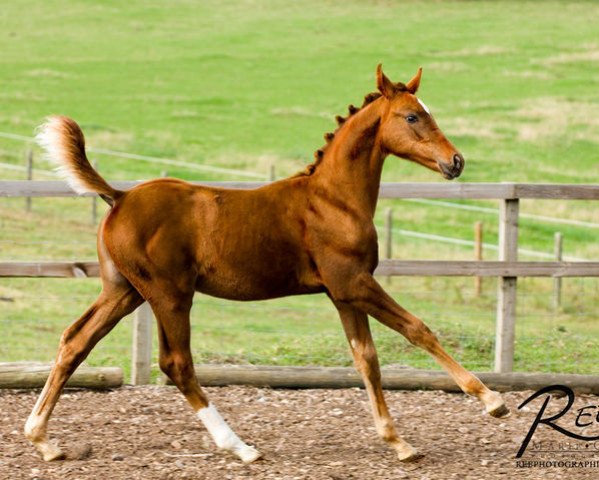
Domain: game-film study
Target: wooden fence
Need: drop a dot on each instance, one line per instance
(507, 269)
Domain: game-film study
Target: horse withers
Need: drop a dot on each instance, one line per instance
(166, 239)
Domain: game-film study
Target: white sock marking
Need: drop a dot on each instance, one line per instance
(223, 436)
(424, 106)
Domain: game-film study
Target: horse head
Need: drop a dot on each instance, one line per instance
(409, 131)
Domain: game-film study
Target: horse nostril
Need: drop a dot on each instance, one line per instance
(458, 161)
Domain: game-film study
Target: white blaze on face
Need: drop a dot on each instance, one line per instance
(424, 106)
(224, 437)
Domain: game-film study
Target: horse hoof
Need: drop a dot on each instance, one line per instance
(500, 412)
(494, 405)
(409, 454)
(249, 454)
(52, 453)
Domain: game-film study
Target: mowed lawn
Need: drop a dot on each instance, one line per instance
(246, 85)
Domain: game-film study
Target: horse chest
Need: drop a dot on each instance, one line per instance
(347, 236)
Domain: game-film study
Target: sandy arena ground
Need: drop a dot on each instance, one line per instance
(151, 433)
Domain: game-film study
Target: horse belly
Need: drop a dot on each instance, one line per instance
(245, 283)
(264, 270)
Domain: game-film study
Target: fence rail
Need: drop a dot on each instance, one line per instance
(407, 268)
(489, 191)
(507, 269)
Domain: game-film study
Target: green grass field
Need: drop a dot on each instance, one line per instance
(246, 85)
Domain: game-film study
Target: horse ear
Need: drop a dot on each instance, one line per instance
(412, 85)
(384, 85)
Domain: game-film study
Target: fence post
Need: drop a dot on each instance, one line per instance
(557, 281)
(272, 176)
(95, 200)
(506, 292)
(389, 237)
(478, 255)
(141, 361)
(29, 177)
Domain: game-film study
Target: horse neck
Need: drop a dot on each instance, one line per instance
(353, 161)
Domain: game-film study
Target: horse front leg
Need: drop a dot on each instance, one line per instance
(357, 330)
(365, 294)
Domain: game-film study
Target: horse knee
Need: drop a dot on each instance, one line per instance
(420, 335)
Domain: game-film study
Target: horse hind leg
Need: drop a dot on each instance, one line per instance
(75, 344)
(172, 312)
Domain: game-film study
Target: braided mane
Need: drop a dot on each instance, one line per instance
(319, 154)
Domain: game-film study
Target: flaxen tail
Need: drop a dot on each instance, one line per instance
(63, 141)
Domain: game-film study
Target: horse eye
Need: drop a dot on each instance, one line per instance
(411, 119)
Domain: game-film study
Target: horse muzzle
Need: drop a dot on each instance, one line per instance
(454, 169)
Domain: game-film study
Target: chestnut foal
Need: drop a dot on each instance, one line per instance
(311, 233)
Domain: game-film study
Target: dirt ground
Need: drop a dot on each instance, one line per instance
(151, 433)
